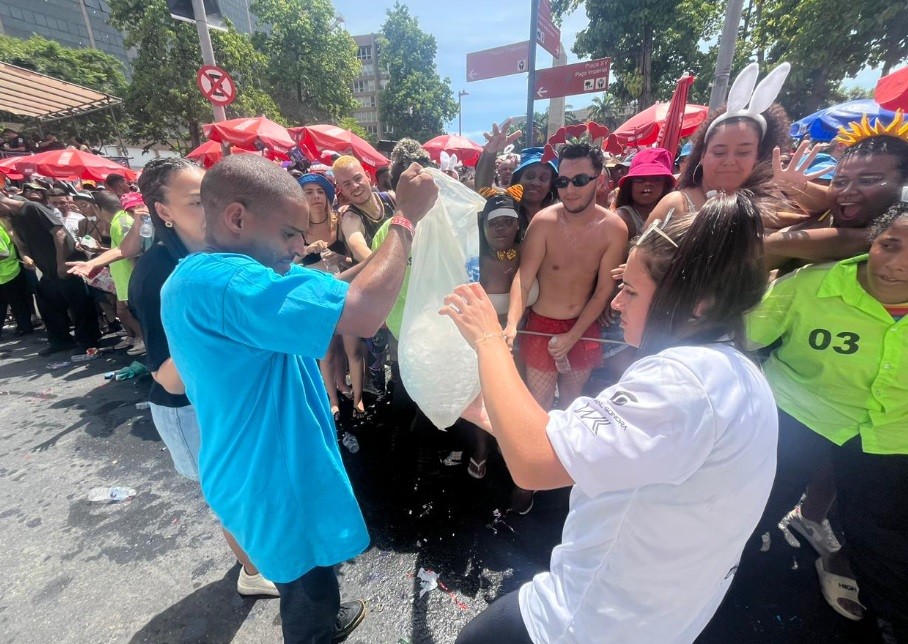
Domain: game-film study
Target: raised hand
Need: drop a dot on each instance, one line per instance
(794, 176)
(499, 139)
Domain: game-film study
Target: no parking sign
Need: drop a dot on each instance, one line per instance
(216, 85)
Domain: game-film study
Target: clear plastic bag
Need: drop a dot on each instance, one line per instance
(438, 367)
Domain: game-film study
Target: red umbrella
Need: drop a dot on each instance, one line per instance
(6, 168)
(466, 150)
(670, 132)
(70, 163)
(210, 152)
(318, 138)
(892, 90)
(250, 133)
(643, 128)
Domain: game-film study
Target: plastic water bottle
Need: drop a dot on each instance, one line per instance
(331, 262)
(563, 365)
(349, 441)
(146, 230)
(110, 494)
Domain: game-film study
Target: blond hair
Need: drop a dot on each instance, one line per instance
(346, 162)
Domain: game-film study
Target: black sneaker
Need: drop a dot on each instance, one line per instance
(56, 348)
(350, 615)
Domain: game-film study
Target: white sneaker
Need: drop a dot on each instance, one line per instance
(138, 348)
(251, 585)
(125, 343)
(819, 535)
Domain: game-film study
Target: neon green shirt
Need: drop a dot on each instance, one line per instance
(842, 367)
(396, 316)
(9, 266)
(121, 270)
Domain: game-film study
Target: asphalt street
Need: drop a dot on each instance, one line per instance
(156, 568)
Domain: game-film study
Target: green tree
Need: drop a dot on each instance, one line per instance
(163, 100)
(651, 42)
(416, 102)
(826, 41)
(87, 67)
(349, 123)
(312, 61)
(603, 109)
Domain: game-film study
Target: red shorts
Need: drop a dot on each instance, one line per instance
(534, 349)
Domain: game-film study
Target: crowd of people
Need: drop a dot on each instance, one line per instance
(681, 339)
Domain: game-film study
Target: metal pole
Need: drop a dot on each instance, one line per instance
(460, 96)
(531, 77)
(201, 23)
(726, 54)
(123, 149)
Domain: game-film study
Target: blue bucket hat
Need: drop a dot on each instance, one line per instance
(528, 157)
(322, 181)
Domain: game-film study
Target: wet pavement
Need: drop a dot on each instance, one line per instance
(156, 568)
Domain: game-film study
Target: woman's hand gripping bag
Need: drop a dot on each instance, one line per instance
(438, 367)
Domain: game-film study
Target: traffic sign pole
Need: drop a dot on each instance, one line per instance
(201, 23)
(531, 68)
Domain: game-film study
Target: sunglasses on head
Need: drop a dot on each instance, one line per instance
(579, 180)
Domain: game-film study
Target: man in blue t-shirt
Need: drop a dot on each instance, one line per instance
(245, 327)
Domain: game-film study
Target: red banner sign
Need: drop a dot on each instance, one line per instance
(500, 61)
(547, 33)
(568, 80)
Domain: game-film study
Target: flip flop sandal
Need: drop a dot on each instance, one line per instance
(346, 394)
(840, 592)
(477, 469)
(359, 414)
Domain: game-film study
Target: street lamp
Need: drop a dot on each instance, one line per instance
(460, 96)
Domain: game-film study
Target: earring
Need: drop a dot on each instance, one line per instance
(169, 224)
(698, 173)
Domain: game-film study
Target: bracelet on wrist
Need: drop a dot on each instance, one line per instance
(489, 336)
(403, 222)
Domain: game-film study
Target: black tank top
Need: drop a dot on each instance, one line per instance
(370, 225)
(338, 247)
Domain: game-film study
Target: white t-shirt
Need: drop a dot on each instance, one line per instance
(672, 469)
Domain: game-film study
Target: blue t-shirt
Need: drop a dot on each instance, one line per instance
(245, 340)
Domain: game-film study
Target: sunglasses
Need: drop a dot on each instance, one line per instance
(579, 180)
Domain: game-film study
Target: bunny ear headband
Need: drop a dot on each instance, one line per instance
(746, 102)
(448, 163)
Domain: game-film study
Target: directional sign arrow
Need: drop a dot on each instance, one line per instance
(500, 61)
(579, 78)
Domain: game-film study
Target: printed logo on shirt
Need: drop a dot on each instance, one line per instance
(622, 398)
(591, 416)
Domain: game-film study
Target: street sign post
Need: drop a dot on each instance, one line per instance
(500, 61)
(579, 78)
(547, 33)
(216, 85)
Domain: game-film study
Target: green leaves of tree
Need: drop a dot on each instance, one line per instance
(311, 59)
(416, 102)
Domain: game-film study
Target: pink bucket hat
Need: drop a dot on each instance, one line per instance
(131, 200)
(650, 162)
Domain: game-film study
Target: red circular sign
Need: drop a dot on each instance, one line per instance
(216, 85)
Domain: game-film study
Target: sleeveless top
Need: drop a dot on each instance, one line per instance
(370, 225)
(639, 221)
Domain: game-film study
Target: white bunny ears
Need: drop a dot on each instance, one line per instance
(448, 163)
(746, 102)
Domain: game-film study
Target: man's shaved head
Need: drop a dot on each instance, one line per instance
(249, 179)
(254, 208)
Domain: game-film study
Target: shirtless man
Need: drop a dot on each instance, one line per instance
(570, 248)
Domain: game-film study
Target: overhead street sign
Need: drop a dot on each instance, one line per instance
(547, 34)
(216, 85)
(579, 78)
(500, 61)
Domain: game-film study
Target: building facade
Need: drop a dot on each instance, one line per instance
(372, 79)
(83, 23)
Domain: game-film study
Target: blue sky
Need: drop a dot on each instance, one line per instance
(463, 26)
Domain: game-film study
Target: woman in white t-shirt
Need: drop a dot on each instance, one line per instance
(670, 468)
